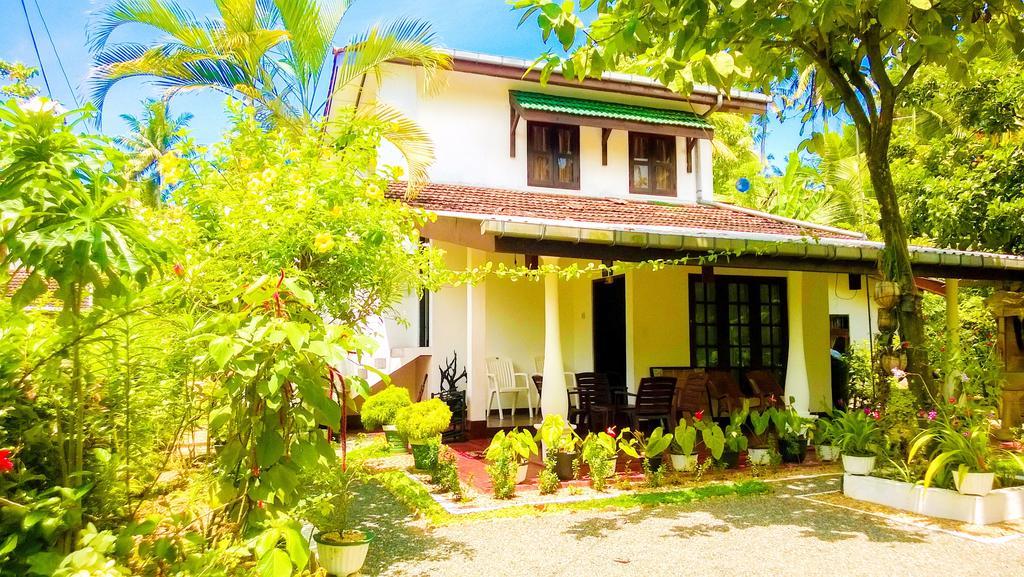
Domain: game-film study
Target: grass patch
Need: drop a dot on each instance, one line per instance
(415, 496)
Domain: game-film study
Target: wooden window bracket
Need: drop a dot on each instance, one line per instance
(513, 123)
(690, 144)
(605, 133)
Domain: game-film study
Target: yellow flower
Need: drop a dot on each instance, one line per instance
(336, 211)
(323, 242)
(171, 168)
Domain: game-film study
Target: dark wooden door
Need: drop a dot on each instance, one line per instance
(610, 328)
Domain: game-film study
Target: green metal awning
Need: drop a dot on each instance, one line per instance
(549, 104)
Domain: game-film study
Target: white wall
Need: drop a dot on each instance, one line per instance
(855, 304)
(468, 122)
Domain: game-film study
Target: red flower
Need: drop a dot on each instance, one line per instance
(610, 431)
(178, 269)
(905, 345)
(952, 400)
(6, 466)
(699, 415)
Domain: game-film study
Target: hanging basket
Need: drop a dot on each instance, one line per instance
(887, 294)
(886, 320)
(892, 360)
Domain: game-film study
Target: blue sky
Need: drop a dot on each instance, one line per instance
(479, 25)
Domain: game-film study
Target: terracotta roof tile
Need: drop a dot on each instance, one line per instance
(575, 208)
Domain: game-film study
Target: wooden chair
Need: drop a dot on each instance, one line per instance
(593, 401)
(691, 394)
(726, 392)
(503, 378)
(654, 400)
(766, 385)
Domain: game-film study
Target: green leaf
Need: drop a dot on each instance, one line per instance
(276, 563)
(221, 350)
(270, 448)
(893, 13)
(723, 64)
(737, 4)
(9, 544)
(297, 333)
(921, 4)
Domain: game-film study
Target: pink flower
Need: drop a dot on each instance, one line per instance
(898, 373)
(6, 466)
(867, 410)
(932, 415)
(699, 415)
(964, 377)
(875, 414)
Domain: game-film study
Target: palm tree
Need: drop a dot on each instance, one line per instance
(269, 54)
(153, 134)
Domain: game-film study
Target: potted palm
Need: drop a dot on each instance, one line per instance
(341, 548)
(422, 424)
(963, 451)
(760, 450)
(859, 438)
(684, 440)
(381, 409)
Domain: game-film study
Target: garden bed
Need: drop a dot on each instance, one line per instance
(998, 506)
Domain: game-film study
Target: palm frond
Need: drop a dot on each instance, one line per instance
(166, 16)
(311, 25)
(411, 140)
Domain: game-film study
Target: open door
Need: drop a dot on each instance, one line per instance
(610, 328)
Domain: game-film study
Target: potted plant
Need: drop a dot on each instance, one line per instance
(760, 451)
(560, 443)
(649, 449)
(381, 409)
(858, 437)
(712, 436)
(340, 548)
(508, 458)
(887, 292)
(821, 436)
(791, 429)
(684, 440)
(963, 449)
(422, 424)
(600, 451)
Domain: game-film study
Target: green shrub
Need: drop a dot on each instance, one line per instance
(382, 408)
(446, 473)
(423, 420)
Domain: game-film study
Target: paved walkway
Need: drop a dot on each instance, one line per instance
(776, 535)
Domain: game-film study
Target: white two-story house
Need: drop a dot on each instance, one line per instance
(615, 170)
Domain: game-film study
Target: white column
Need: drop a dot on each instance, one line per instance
(553, 399)
(952, 332)
(808, 368)
(476, 341)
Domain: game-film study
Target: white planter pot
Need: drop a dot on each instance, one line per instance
(521, 472)
(684, 463)
(827, 453)
(974, 483)
(759, 456)
(342, 560)
(858, 465)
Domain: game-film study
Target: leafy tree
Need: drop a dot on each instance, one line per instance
(266, 53)
(866, 53)
(153, 134)
(17, 75)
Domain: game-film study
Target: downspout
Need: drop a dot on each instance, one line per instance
(330, 87)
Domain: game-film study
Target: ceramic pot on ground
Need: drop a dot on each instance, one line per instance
(858, 465)
(563, 465)
(827, 453)
(684, 463)
(731, 459)
(424, 454)
(759, 456)
(521, 472)
(342, 559)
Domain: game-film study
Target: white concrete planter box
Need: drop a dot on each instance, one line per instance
(998, 506)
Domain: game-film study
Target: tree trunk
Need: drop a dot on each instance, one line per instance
(909, 310)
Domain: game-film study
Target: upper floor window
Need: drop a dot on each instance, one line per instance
(652, 164)
(553, 158)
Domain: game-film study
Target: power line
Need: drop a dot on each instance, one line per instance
(60, 63)
(32, 34)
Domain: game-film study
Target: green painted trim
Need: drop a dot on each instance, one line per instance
(615, 110)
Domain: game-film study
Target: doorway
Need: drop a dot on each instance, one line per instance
(609, 314)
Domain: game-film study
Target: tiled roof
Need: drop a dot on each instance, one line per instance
(46, 301)
(595, 210)
(601, 109)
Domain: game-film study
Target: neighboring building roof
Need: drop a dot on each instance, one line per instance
(462, 200)
(644, 229)
(613, 110)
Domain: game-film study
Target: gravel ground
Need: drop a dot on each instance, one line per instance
(765, 535)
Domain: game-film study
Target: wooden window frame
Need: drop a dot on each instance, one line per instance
(633, 189)
(553, 155)
(721, 303)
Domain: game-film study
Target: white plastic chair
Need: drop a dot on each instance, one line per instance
(503, 378)
(570, 378)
